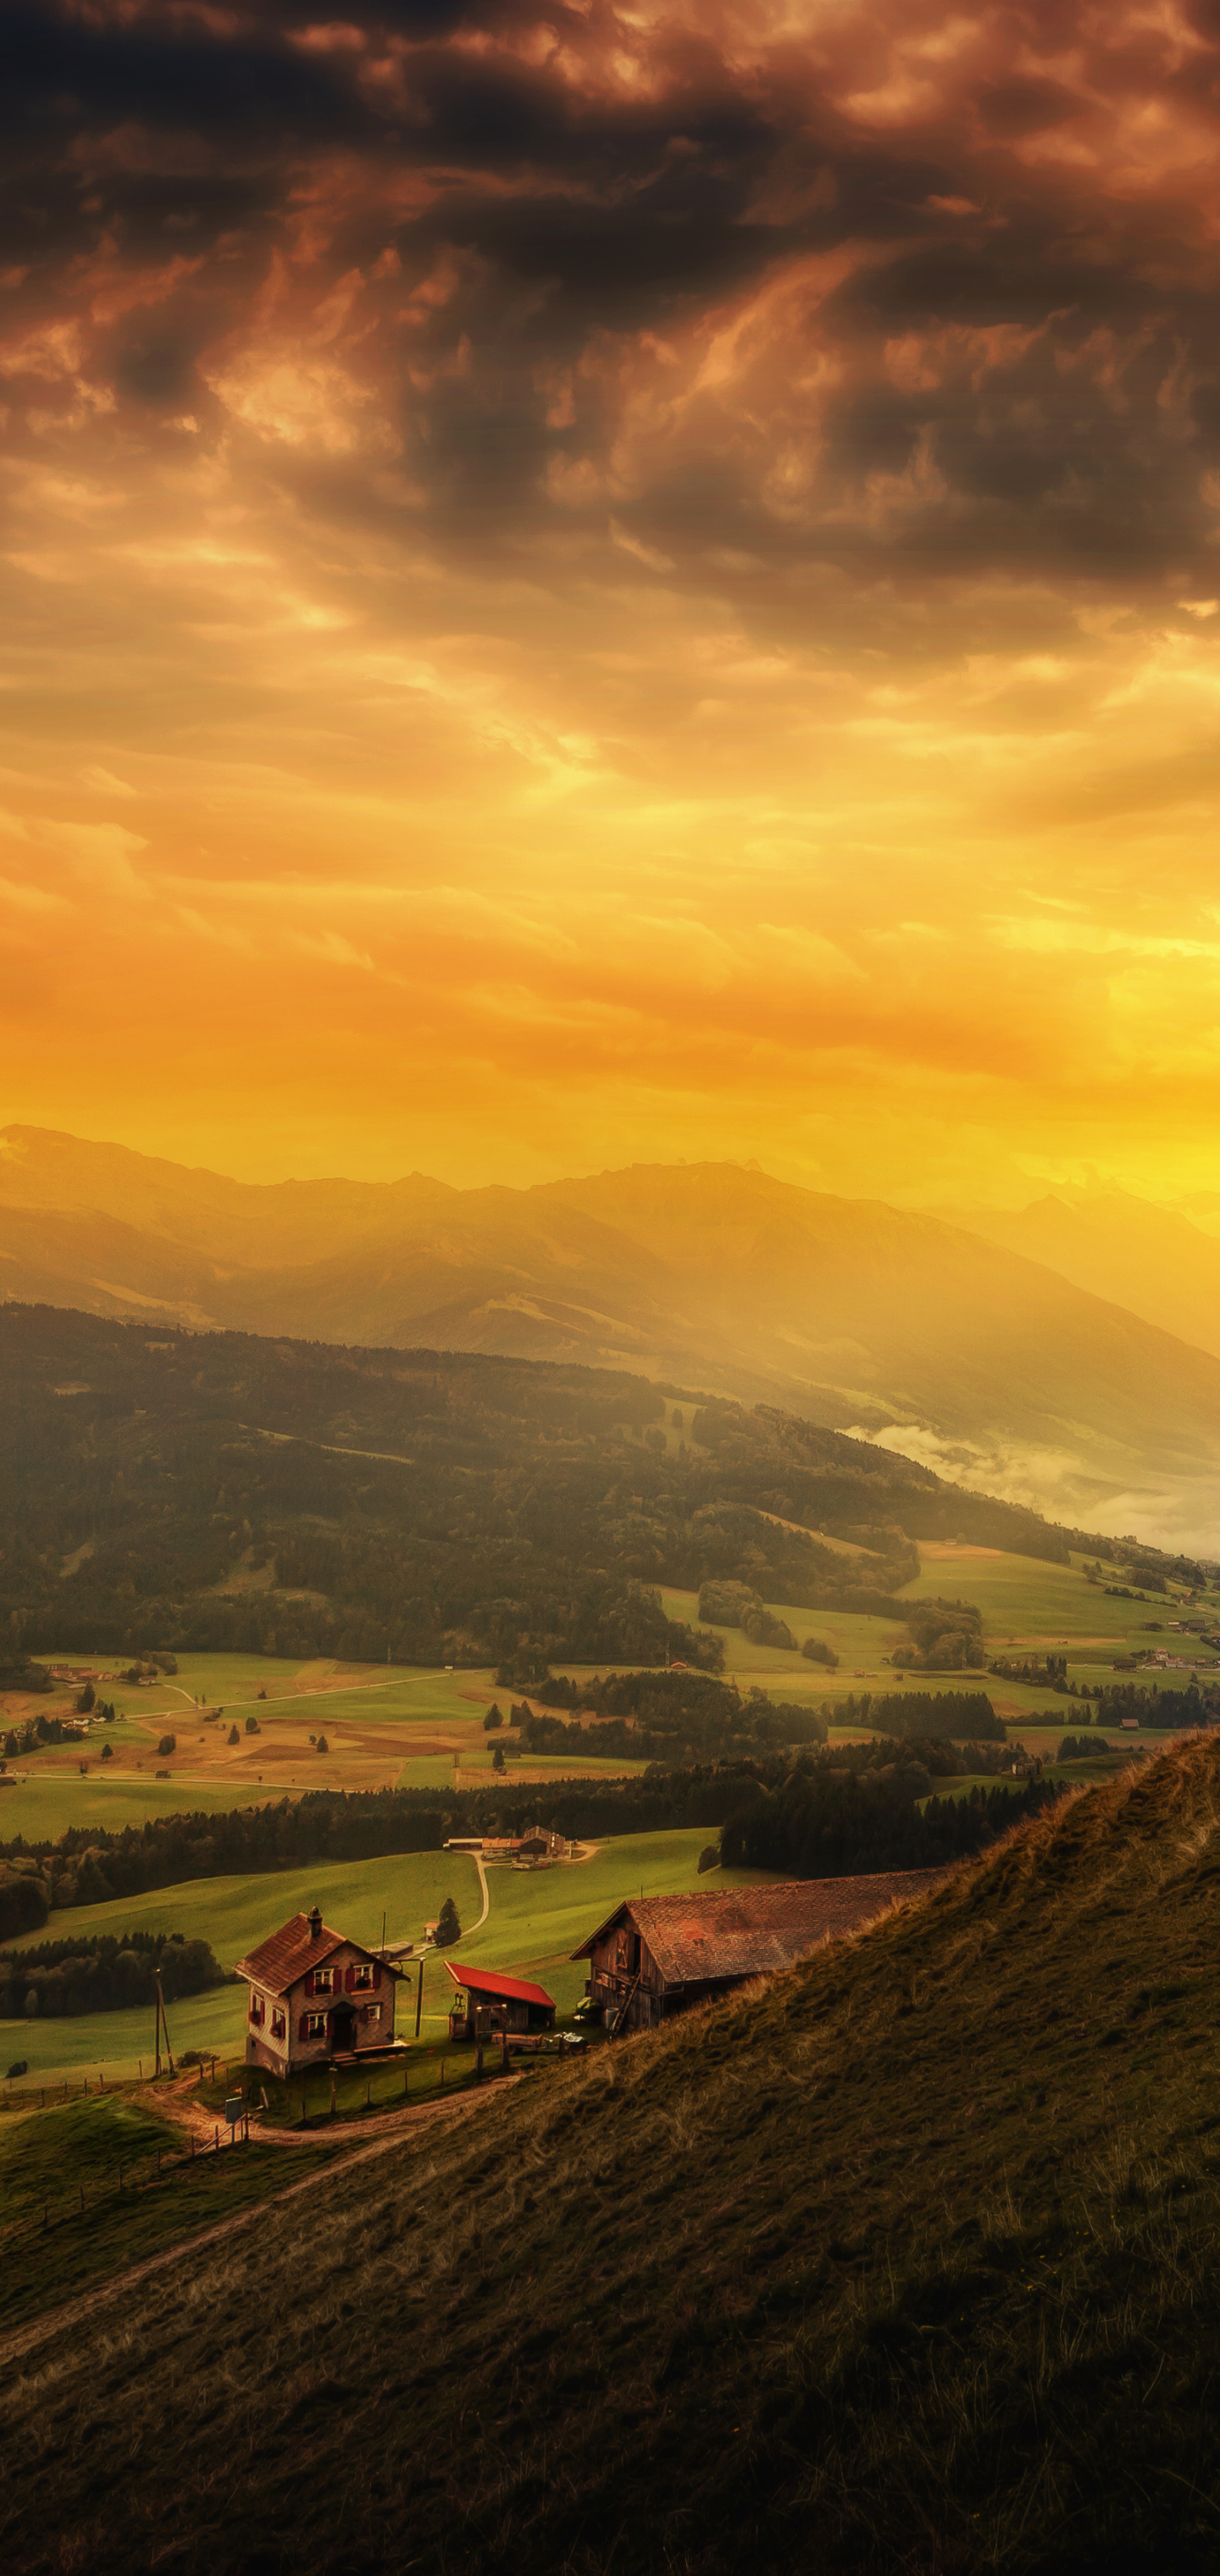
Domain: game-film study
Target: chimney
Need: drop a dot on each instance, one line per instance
(315, 1925)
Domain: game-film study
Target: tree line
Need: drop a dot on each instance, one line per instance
(104, 1973)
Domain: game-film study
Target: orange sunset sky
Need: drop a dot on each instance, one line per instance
(591, 584)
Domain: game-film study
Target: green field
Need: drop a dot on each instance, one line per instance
(46, 1804)
(537, 1917)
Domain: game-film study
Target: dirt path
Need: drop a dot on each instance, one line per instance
(26, 2338)
(477, 1858)
(178, 2102)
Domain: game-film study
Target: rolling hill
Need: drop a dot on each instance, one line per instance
(907, 2259)
(961, 1353)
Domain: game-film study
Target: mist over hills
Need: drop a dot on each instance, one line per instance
(1154, 1260)
(964, 1353)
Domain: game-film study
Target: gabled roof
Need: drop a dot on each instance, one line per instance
(290, 1953)
(479, 1981)
(747, 1930)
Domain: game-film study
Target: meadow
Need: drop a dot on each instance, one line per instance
(371, 1717)
(536, 1918)
(912, 2248)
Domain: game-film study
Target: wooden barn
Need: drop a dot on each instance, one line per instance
(315, 1995)
(484, 2005)
(656, 1954)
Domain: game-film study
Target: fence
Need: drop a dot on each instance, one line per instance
(143, 2175)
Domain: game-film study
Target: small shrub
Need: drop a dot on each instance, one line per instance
(252, 1725)
(233, 1736)
(168, 1744)
(709, 1858)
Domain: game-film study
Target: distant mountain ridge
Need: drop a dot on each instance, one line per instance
(1153, 1260)
(966, 1354)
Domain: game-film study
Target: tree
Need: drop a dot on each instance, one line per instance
(233, 1736)
(323, 1746)
(85, 1700)
(709, 1858)
(169, 1743)
(448, 1928)
(494, 1718)
(107, 1752)
(252, 1725)
(31, 2003)
(497, 1759)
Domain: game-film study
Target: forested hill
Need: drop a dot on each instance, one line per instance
(160, 1488)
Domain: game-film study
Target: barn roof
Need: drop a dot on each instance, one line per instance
(290, 1953)
(744, 1931)
(514, 1990)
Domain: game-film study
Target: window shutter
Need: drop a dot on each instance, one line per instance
(309, 1981)
(303, 2032)
(376, 1978)
(351, 1975)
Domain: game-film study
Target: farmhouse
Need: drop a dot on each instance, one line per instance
(484, 2005)
(315, 1995)
(656, 1954)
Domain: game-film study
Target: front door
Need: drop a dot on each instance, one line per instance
(342, 2029)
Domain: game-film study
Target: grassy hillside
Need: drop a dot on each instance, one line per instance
(914, 2249)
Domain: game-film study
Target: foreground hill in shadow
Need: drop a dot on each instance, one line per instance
(855, 1314)
(908, 2259)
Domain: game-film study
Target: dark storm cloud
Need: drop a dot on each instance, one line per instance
(904, 292)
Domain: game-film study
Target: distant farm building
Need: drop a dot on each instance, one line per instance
(538, 1843)
(315, 1995)
(657, 1954)
(484, 2005)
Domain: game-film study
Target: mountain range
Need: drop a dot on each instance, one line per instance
(966, 1344)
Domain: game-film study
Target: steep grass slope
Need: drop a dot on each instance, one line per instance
(908, 2260)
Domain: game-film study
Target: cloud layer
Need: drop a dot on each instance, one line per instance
(585, 584)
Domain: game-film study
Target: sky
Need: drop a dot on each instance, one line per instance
(586, 585)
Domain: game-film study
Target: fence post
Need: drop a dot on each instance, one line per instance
(218, 2140)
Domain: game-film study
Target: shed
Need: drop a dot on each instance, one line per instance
(656, 1954)
(484, 2004)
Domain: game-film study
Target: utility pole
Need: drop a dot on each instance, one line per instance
(419, 2000)
(165, 2027)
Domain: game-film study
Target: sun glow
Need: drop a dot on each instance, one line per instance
(536, 635)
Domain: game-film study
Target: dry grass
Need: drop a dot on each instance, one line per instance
(908, 2260)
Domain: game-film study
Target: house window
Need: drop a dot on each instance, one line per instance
(317, 2026)
(258, 2010)
(279, 2023)
(321, 1981)
(362, 1975)
(374, 2012)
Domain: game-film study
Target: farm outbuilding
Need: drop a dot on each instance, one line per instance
(656, 1954)
(484, 2005)
(315, 1995)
